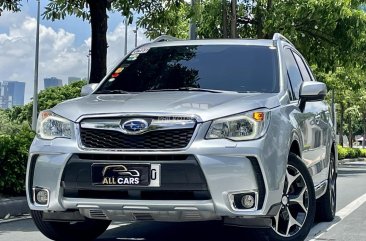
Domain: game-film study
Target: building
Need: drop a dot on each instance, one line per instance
(52, 82)
(73, 79)
(11, 94)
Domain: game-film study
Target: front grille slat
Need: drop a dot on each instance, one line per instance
(107, 139)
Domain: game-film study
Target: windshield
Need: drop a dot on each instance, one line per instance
(218, 67)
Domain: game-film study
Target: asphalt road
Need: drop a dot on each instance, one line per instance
(349, 225)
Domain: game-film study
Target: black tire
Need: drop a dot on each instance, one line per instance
(301, 186)
(87, 230)
(327, 204)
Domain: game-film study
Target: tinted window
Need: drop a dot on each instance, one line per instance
(303, 69)
(293, 72)
(220, 67)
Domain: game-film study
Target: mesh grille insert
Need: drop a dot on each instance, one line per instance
(107, 139)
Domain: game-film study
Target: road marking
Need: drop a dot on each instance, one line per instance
(321, 228)
(13, 219)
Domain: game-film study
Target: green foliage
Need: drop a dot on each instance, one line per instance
(47, 99)
(13, 160)
(16, 136)
(171, 19)
(347, 152)
(13, 5)
(342, 152)
(52, 96)
(6, 126)
(210, 22)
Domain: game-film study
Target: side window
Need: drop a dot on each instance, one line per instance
(290, 91)
(293, 72)
(304, 71)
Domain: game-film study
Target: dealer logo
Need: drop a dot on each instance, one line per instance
(120, 175)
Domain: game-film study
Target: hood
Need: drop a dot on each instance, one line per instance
(206, 105)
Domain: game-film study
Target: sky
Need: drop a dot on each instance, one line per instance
(64, 45)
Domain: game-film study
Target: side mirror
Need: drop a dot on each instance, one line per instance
(88, 89)
(313, 91)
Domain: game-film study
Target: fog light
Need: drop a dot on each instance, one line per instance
(247, 201)
(41, 196)
(242, 201)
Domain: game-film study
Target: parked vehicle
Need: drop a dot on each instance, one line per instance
(232, 130)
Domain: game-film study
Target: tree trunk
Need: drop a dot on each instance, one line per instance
(98, 21)
(364, 129)
(269, 8)
(233, 19)
(341, 125)
(224, 19)
(259, 20)
(350, 131)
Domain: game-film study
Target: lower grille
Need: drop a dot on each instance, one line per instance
(107, 139)
(181, 178)
(138, 195)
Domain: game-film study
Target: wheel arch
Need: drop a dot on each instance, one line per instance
(295, 148)
(334, 151)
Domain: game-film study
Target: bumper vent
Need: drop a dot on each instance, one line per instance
(260, 181)
(95, 213)
(143, 217)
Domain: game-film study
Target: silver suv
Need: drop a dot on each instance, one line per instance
(231, 130)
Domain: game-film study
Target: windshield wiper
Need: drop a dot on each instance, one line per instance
(111, 92)
(186, 89)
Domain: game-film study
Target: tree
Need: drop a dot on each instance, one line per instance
(166, 17)
(47, 99)
(10, 5)
(347, 84)
(16, 135)
(96, 12)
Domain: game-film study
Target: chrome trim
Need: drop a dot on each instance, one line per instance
(231, 200)
(278, 37)
(141, 115)
(155, 125)
(82, 147)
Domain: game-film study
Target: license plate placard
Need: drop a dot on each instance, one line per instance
(126, 174)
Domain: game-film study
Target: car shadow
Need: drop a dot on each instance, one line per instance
(350, 171)
(192, 231)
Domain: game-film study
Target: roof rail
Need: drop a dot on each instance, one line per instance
(278, 36)
(163, 38)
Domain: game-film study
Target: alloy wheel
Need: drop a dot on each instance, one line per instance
(332, 186)
(294, 204)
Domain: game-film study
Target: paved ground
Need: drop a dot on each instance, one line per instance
(350, 224)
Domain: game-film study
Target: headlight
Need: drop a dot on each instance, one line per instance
(51, 126)
(241, 127)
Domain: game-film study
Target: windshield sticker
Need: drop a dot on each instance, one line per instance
(119, 70)
(133, 57)
(142, 50)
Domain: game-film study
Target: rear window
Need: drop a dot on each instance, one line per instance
(219, 67)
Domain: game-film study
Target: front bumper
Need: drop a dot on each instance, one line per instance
(228, 167)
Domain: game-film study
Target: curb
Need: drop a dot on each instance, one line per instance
(342, 161)
(14, 206)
